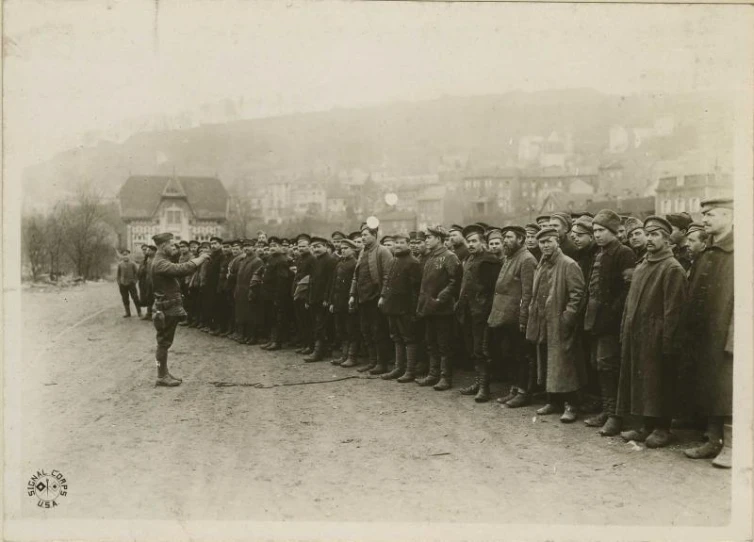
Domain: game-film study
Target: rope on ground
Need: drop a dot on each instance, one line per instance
(259, 385)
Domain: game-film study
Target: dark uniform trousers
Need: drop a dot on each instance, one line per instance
(165, 336)
(320, 318)
(518, 355)
(474, 330)
(303, 322)
(374, 329)
(125, 291)
(277, 321)
(402, 329)
(439, 333)
(347, 328)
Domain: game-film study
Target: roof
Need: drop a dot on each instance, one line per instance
(565, 201)
(638, 206)
(140, 195)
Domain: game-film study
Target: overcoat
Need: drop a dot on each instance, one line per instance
(341, 283)
(615, 260)
(249, 265)
(146, 296)
(320, 279)
(401, 289)
(480, 271)
(555, 309)
(649, 337)
(709, 323)
(440, 283)
(510, 305)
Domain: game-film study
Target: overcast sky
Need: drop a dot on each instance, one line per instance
(72, 67)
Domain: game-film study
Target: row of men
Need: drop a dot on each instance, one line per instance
(578, 312)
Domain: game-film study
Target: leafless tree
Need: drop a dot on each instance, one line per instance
(34, 242)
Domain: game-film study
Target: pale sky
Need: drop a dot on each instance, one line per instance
(78, 66)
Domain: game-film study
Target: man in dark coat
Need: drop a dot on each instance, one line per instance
(696, 241)
(649, 338)
(557, 296)
(441, 279)
(680, 223)
(531, 243)
(276, 289)
(510, 313)
(246, 307)
(480, 271)
(562, 223)
(346, 320)
(368, 279)
(318, 301)
(398, 300)
(417, 242)
(223, 307)
(301, 280)
(164, 275)
(126, 277)
(145, 288)
(606, 290)
(211, 277)
(709, 324)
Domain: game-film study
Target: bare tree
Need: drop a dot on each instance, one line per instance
(34, 243)
(241, 215)
(55, 239)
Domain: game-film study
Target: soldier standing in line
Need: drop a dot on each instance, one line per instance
(480, 272)
(276, 288)
(418, 244)
(531, 243)
(301, 280)
(346, 320)
(126, 277)
(168, 303)
(441, 279)
(605, 298)
(246, 306)
(649, 339)
(495, 243)
(557, 296)
(562, 223)
(543, 221)
(510, 313)
(222, 313)
(237, 255)
(637, 237)
(398, 300)
(696, 240)
(319, 296)
(709, 323)
(680, 223)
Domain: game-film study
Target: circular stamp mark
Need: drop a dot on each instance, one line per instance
(47, 487)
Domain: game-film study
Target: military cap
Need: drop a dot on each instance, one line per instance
(417, 236)
(546, 232)
(236, 242)
(494, 233)
(583, 225)
(354, 235)
(319, 239)
(608, 219)
(472, 230)
(274, 239)
(183, 243)
(679, 220)
(337, 235)
(249, 242)
(285, 242)
(161, 238)
(226, 243)
(348, 242)
(125, 252)
(144, 245)
(305, 236)
(365, 226)
(261, 244)
(695, 226)
(192, 242)
(484, 225)
(204, 244)
(712, 203)
(579, 214)
(386, 238)
(532, 228)
(542, 217)
(518, 230)
(456, 227)
(633, 223)
(565, 218)
(402, 235)
(216, 238)
(438, 231)
(653, 223)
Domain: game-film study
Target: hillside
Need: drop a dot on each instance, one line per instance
(401, 137)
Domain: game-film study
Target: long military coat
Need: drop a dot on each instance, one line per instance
(553, 319)
(650, 337)
(249, 265)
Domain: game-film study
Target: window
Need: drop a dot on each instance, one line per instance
(693, 205)
(174, 216)
(667, 206)
(680, 205)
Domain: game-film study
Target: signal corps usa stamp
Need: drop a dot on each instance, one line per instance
(47, 488)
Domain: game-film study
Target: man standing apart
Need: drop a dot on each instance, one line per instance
(606, 296)
(649, 338)
(557, 295)
(439, 289)
(510, 313)
(480, 271)
(164, 275)
(126, 278)
(710, 327)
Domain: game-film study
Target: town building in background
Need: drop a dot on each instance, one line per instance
(187, 207)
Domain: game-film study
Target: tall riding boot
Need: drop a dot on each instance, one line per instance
(433, 376)
(138, 310)
(599, 419)
(483, 395)
(446, 375)
(400, 363)
(473, 388)
(382, 357)
(352, 353)
(164, 378)
(614, 423)
(318, 354)
(127, 306)
(410, 374)
(373, 357)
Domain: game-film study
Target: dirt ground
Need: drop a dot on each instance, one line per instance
(360, 449)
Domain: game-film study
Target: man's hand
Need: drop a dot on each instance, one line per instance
(351, 303)
(306, 306)
(381, 302)
(522, 328)
(325, 304)
(332, 309)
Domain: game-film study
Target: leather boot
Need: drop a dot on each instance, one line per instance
(163, 376)
(446, 375)
(521, 399)
(379, 369)
(351, 359)
(473, 388)
(612, 426)
(724, 459)
(400, 363)
(410, 374)
(483, 395)
(659, 438)
(307, 351)
(318, 354)
(712, 447)
(433, 376)
(373, 357)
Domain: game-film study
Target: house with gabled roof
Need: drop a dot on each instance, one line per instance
(188, 207)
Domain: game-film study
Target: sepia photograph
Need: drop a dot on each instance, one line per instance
(353, 270)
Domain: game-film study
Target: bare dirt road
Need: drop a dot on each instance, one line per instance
(360, 449)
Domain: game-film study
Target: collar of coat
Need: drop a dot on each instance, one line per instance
(553, 258)
(439, 250)
(664, 254)
(725, 243)
(612, 246)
